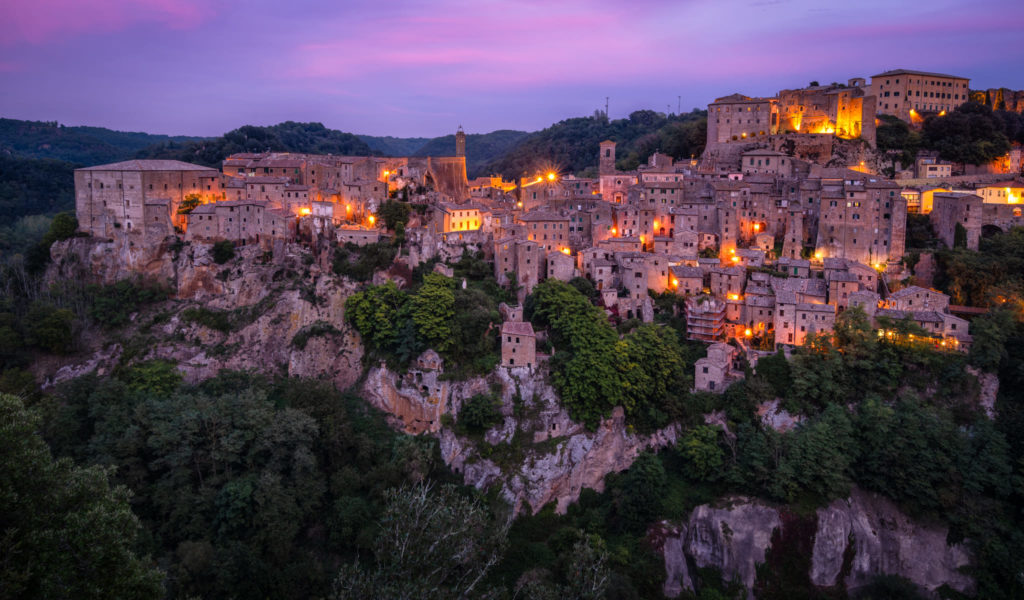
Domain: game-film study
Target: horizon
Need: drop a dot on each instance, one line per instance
(422, 70)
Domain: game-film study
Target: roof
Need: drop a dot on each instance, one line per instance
(913, 289)
(148, 165)
(541, 215)
(911, 72)
(764, 152)
(684, 272)
(516, 328)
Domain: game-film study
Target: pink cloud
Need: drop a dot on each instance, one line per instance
(39, 21)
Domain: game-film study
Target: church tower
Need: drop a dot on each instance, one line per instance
(460, 142)
(606, 160)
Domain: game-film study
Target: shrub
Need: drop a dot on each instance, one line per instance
(223, 252)
(214, 319)
(479, 413)
(319, 328)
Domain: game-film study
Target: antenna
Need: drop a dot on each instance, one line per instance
(606, 108)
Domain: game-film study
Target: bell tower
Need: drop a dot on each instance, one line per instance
(460, 142)
(606, 160)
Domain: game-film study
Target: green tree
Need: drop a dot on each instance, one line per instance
(157, 377)
(479, 413)
(702, 453)
(377, 313)
(66, 532)
(970, 134)
(990, 332)
(394, 213)
(433, 308)
(50, 328)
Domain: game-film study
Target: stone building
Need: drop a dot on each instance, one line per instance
(705, 318)
(518, 344)
(910, 95)
(737, 118)
(119, 199)
(957, 208)
(717, 370)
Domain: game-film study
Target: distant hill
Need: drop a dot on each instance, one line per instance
(289, 136)
(393, 146)
(34, 186)
(81, 145)
(481, 148)
(572, 144)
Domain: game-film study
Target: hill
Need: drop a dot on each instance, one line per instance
(81, 145)
(394, 146)
(289, 136)
(481, 148)
(571, 144)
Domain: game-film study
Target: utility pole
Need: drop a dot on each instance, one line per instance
(606, 108)
(679, 106)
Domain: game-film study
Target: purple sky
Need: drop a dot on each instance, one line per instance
(422, 67)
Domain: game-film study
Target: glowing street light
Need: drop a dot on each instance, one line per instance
(304, 211)
(371, 219)
(551, 176)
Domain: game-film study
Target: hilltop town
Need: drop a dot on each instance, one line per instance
(781, 225)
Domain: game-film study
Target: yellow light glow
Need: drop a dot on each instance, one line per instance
(732, 251)
(551, 176)
(734, 296)
(519, 204)
(655, 224)
(565, 251)
(757, 226)
(386, 173)
(735, 259)
(348, 208)
(675, 282)
(641, 239)
(540, 178)
(304, 211)
(942, 113)
(819, 254)
(879, 266)
(748, 332)
(372, 219)
(614, 231)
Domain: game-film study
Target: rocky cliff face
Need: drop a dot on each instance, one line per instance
(537, 455)
(264, 303)
(885, 541)
(735, 537)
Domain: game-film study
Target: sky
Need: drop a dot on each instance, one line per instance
(412, 68)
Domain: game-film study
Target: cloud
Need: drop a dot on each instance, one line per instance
(41, 21)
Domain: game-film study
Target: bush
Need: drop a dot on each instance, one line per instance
(223, 252)
(479, 413)
(218, 320)
(113, 304)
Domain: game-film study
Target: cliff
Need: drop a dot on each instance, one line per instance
(536, 456)
(243, 315)
(734, 538)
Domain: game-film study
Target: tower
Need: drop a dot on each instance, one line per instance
(606, 160)
(460, 142)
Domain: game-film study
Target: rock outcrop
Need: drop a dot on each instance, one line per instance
(265, 302)
(885, 541)
(734, 537)
(552, 458)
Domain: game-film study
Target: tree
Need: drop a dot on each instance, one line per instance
(702, 453)
(377, 314)
(969, 134)
(50, 328)
(990, 332)
(433, 308)
(433, 543)
(479, 413)
(638, 498)
(894, 137)
(394, 214)
(66, 532)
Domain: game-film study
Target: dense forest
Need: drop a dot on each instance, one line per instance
(571, 145)
(289, 136)
(81, 145)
